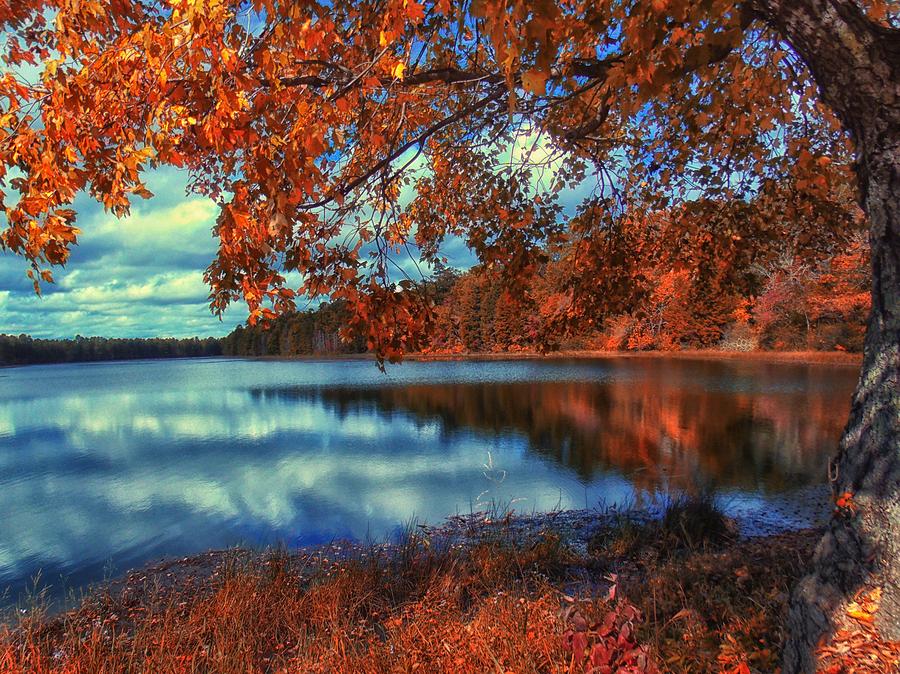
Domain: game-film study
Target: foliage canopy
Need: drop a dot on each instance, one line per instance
(343, 138)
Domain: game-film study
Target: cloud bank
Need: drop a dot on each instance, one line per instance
(140, 276)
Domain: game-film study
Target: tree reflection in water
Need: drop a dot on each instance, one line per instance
(666, 427)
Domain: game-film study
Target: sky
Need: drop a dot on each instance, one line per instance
(142, 275)
(139, 276)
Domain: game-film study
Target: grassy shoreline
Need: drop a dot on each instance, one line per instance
(556, 592)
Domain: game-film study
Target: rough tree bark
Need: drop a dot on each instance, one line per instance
(856, 64)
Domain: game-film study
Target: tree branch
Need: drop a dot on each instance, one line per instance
(445, 75)
(424, 135)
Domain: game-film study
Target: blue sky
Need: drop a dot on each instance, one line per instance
(140, 276)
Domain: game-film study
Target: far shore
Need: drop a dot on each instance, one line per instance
(800, 357)
(841, 358)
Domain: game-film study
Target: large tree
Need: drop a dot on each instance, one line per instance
(340, 137)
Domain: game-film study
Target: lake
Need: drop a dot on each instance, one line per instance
(105, 466)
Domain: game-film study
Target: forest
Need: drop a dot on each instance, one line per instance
(316, 331)
(791, 304)
(25, 350)
(796, 306)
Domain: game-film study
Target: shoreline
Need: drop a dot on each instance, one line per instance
(802, 357)
(840, 358)
(576, 526)
(425, 597)
(799, 357)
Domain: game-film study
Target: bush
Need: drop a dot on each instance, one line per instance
(696, 522)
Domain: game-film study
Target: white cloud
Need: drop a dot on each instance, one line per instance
(139, 276)
(186, 223)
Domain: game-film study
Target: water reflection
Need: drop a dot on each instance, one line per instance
(731, 441)
(109, 465)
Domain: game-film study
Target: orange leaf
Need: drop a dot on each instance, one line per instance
(857, 612)
(414, 10)
(535, 81)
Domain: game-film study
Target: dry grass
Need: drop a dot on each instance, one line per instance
(485, 608)
(713, 603)
(676, 595)
(688, 524)
(713, 610)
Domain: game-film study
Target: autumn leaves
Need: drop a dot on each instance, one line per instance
(347, 143)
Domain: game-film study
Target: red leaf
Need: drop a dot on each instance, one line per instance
(601, 655)
(579, 644)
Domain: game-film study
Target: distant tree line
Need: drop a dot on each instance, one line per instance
(302, 333)
(795, 305)
(792, 305)
(787, 305)
(25, 350)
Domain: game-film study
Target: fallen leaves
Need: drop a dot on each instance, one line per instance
(865, 606)
(856, 646)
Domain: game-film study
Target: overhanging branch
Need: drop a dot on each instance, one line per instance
(397, 152)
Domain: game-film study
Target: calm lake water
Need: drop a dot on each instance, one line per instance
(106, 466)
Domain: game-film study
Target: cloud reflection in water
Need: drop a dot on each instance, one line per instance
(124, 462)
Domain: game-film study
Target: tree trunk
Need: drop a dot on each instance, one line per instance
(862, 545)
(856, 64)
